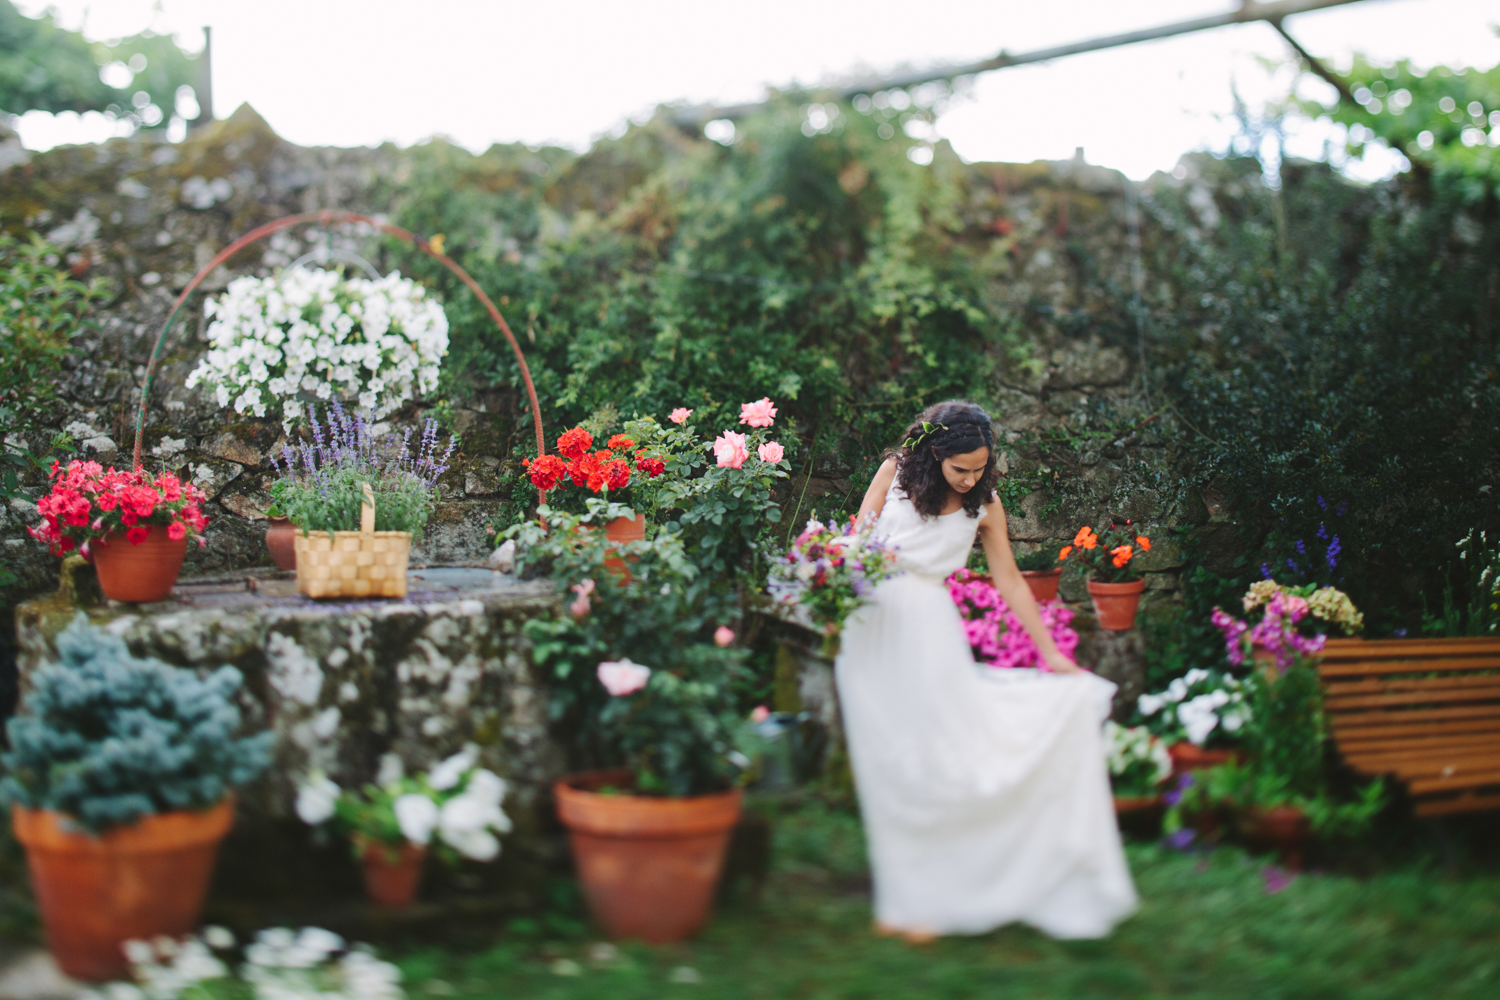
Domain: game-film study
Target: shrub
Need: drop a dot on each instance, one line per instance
(107, 738)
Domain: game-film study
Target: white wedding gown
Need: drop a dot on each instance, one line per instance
(984, 791)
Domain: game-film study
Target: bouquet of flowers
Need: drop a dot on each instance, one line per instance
(995, 634)
(1107, 554)
(1198, 706)
(87, 504)
(457, 802)
(1138, 761)
(308, 334)
(831, 573)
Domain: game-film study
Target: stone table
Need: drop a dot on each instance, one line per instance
(342, 683)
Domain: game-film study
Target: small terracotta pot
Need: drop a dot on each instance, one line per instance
(140, 573)
(1283, 829)
(1115, 604)
(281, 540)
(1191, 757)
(649, 866)
(1140, 813)
(392, 874)
(623, 530)
(1043, 583)
(129, 883)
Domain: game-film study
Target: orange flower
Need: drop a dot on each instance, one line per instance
(1083, 533)
(1121, 555)
(1090, 542)
(1143, 542)
(1066, 550)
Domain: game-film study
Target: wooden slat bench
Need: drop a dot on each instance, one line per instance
(1426, 711)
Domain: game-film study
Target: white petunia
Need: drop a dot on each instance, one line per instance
(448, 773)
(316, 799)
(417, 815)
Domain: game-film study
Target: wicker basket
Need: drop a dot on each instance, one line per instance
(363, 563)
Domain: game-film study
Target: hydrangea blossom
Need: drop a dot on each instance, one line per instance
(995, 634)
(277, 343)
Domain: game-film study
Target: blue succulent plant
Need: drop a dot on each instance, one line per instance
(107, 738)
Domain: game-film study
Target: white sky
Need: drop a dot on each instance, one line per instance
(331, 72)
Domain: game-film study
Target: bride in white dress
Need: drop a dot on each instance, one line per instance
(984, 791)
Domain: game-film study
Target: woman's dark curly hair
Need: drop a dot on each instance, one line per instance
(958, 428)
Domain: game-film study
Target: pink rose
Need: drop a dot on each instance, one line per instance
(621, 677)
(730, 450)
(581, 605)
(723, 635)
(770, 452)
(761, 413)
(760, 714)
(679, 415)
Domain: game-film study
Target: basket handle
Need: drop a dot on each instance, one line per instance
(367, 511)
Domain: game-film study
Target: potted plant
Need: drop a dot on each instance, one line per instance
(607, 472)
(279, 345)
(1292, 621)
(1201, 716)
(995, 634)
(646, 695)
(358, 501)
(280, 534)
(133, 528)
(1041, 569)
(121, 776)
(1138, 765)
(392, 821)
(1115, 583)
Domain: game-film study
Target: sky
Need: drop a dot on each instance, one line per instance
(330, 72)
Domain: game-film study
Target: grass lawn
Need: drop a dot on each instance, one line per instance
(1208, 927)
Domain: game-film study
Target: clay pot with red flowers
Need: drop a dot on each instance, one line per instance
(128, 853)
(1115, 582)
(134, 528)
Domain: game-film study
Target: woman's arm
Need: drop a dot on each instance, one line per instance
(874, 501)
(1012, 586)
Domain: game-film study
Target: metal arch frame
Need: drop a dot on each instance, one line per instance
(327, 217)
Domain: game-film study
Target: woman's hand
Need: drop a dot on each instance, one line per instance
(1060, 663)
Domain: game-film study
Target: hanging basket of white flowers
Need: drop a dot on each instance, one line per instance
(308, 335)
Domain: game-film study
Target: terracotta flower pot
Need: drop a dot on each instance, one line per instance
(129, 883)
(281, 540)
(622, 530)
(138, 573)
(392, 874)
(1115, 604)
(1043, 583)
(649, 866)
(1140, 813)
(1191, 757)
(1283, 829)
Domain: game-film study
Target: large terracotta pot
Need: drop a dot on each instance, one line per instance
(129, 883)
(1191, 757)
(281, 540)
(649, 866)
(1283, 829)
(1043, 583)
(138, 573)
(1115, 604)
(392, 874)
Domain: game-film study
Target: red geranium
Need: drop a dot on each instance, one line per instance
(87, 503)
(620, 443)
(652, 467)
(575, 443)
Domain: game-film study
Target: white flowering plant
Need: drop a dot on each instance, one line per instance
(1201, 707)
(280, 964)
(455, 807)
(1138, 760)
(276, 344)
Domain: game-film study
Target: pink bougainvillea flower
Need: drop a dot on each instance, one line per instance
(622, 677)
(723, 635)
(770, 452)
(760, 714)
(761, 413)
(680, 415)
(730, 450)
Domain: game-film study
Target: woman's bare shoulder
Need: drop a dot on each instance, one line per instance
(886, 474)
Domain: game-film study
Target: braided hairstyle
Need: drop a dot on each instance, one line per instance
(919, 468)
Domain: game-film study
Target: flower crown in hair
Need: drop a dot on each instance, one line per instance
(927, 431)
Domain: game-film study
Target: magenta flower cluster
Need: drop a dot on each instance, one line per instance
(995, 634)
(1276, 631)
